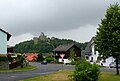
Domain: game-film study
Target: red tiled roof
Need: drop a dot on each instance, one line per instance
(3, 55)
(31, 56)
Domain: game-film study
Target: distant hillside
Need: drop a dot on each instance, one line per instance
(44, 44)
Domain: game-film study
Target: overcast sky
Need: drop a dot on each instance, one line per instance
(70, 19)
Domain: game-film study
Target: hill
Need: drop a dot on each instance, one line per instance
(44, 44)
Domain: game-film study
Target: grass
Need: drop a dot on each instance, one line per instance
(27, 68)
(105, 76)
(57, 76)
(63, 76)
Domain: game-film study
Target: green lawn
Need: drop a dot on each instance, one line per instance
(63, 76)
(18, 69)
(58, 76)
(105, 76)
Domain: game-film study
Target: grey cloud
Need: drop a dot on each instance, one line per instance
(23, 16)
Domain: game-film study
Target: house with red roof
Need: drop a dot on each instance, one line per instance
(31, 56)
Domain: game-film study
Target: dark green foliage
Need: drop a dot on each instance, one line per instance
(21, 58)
(49, 59)
(84, 71)
(10, 59)
(72, 55)
(44, 46)
(40, 58)
(108, 35)
(2, 58)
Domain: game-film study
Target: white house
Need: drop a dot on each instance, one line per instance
(4, 37)
(91, 54)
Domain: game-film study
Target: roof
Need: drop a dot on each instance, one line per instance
(88, 49)
(31, 56)
(63, 48)
(8, 35)
(3, 55)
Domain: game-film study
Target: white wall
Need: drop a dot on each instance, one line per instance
(95, 54)
(65, 60)
(3, 43)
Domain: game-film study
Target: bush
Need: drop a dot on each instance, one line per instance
(84, 71)
(2, 58)
(49, 59)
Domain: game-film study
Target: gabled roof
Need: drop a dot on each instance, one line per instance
(63, 48)
(88, 49)
(8, 35)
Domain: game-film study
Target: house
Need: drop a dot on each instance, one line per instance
(4, 37)
(65, 50)
(31, 56)
(10, 49)
(91, 54)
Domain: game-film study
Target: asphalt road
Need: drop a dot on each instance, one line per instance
(41, 70)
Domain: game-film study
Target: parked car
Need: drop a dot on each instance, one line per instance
(113, 65)
(44, 62)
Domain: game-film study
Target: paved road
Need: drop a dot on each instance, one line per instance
(112, 70)
(41, 70)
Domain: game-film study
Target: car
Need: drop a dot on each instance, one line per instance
(113, 65)
(44, 62)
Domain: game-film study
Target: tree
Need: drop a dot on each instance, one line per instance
(40, 58)
(72, 55)
(108, 35)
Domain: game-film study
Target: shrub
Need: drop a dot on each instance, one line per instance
(49, 59)
(84, 71)
(2, 58)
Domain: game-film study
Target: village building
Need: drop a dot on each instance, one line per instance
(4, 37)
(31, 57)
(92, 55)
(65, 50)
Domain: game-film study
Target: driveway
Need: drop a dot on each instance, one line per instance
(41, 70)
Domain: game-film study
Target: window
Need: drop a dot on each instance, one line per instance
(87, 57)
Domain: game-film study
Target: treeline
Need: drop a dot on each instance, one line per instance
(44, 46)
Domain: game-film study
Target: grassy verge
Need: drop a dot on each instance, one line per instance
(63, 76)
(58, 76)
(105, 76)
(19, 69)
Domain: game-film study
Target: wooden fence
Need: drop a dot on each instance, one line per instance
(14, 65)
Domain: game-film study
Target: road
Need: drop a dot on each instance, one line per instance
(41, 70)
(112, 70)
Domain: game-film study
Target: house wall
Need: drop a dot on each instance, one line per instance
(95, 55)
(64, 60)
(3, 43)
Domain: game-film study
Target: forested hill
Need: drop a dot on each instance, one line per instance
(43, 44)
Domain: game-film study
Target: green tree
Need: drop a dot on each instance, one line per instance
(108, 35)
(72, 55)
(43, 46)
(40, 57)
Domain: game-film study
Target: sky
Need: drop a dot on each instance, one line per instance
(69, 19)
